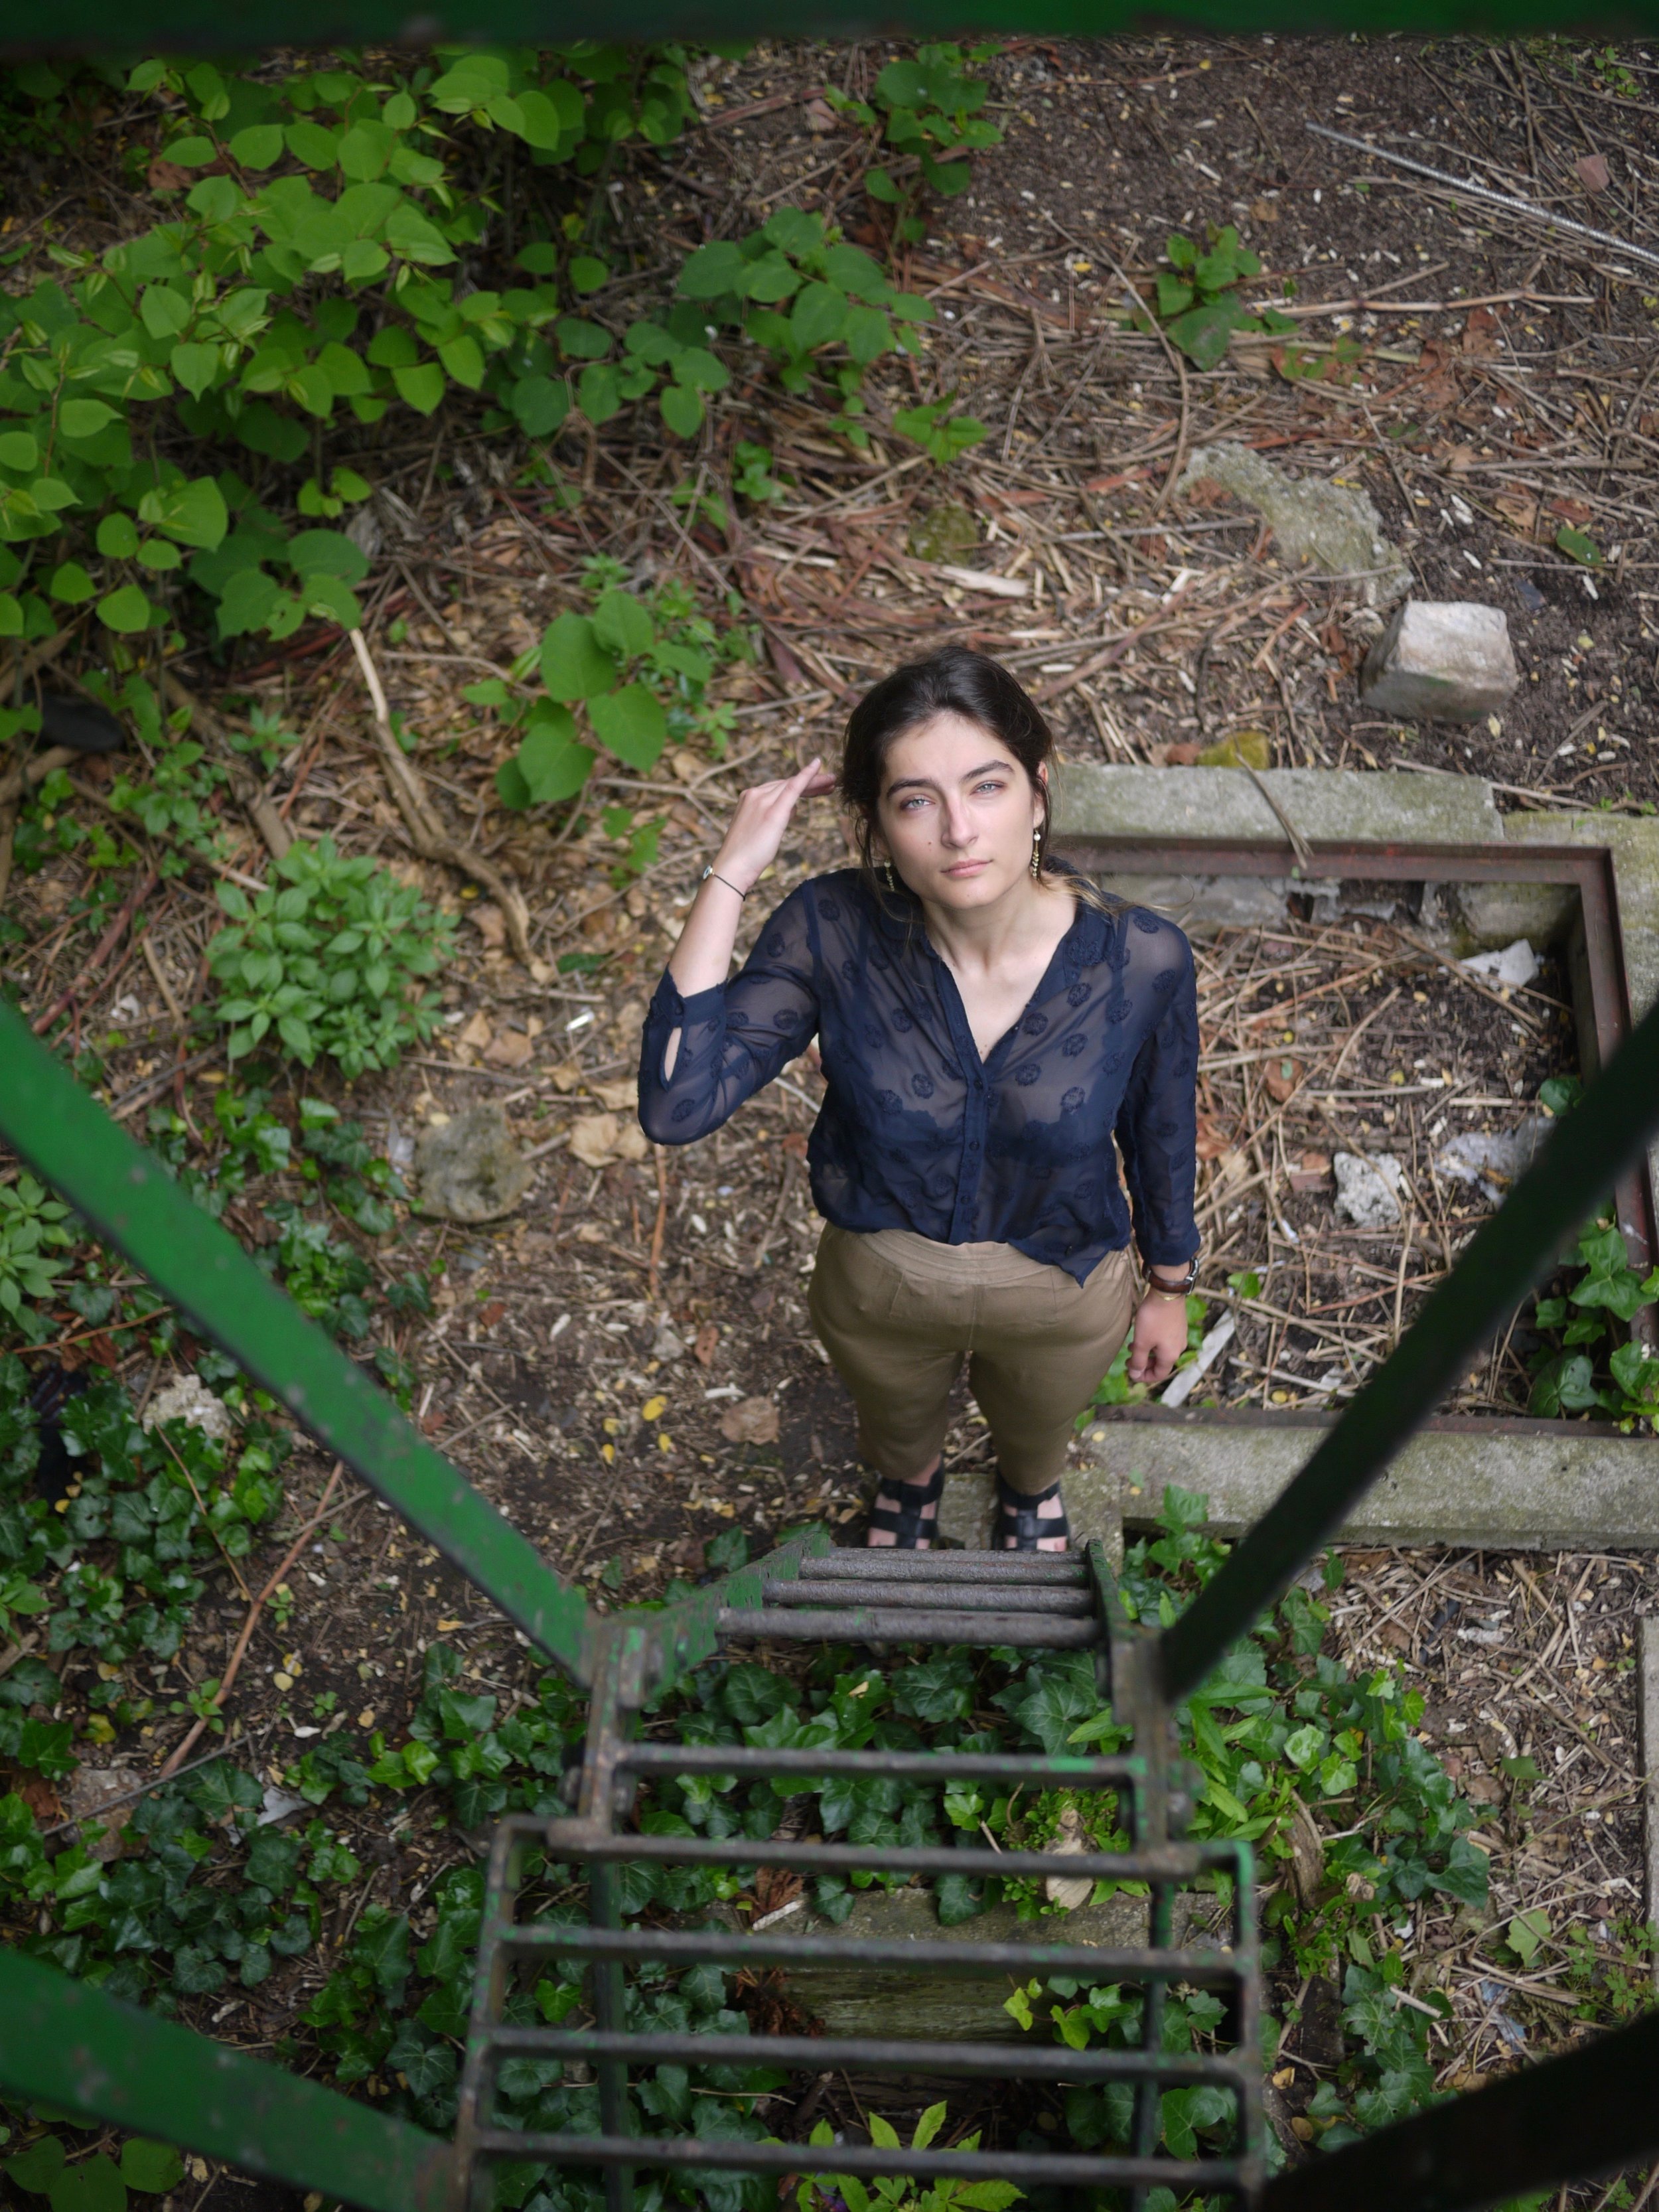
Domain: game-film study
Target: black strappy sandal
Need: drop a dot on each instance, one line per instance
(904, 1524)
(1019, 1518)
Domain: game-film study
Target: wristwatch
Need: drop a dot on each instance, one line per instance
(1173, 1290)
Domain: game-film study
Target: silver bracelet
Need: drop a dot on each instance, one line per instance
(720, 878)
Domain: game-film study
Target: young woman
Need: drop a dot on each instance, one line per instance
(987, 1025)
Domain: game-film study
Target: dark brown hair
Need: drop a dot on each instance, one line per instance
(952, 681)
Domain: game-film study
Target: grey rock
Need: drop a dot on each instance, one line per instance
(470, 1169)
(1368, 1191)
(187, 1398)
(1334, 528)
(1441, 661)
(666, 1347)
(1490, 1159)
(106, 1795)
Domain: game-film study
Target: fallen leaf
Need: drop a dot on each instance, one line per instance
(1307, 1853)
(1311, 1172)
(1264, 211)
(1211, 1142)
(707, 1337)
(590, 1233)
(750, 1421)
(567, 1076)
(1517, 508)
(1068, 1891)
(477, 1032)
(1593, 172)
(165, 176)
(620, 1097)
(490, 925)
(1572, 510)
(795, 1145)
(511, 1048)
(1480, 332)
(491, 1314)
(1230, 1166)
(593, 1139)
(1283, 1078)
(652, 1409)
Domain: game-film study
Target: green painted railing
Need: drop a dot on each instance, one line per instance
(128, 1197)
(49, 26)
(64, 2045)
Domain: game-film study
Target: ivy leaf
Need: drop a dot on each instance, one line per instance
(36, 2168)
(155, 2167)
(94, 2185)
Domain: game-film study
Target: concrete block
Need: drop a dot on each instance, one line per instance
(1485, 917)
(1383, 806)
(1441, 661)
(1509, 1485)
(885, 2000)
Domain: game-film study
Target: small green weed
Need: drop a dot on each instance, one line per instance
(829, 2192)
(31, 1230)
(637, 669)
(46, 2168)
(929, 109)
(1197, 299)
(944, 436)
(329, 961)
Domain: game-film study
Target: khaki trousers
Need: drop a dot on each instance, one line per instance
(898, 1314)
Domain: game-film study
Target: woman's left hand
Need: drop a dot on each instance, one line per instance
(1160, 1338)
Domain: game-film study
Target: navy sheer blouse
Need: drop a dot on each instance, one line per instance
(917, 1132)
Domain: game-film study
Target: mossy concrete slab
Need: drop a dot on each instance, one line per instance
(858, 1999)
(1510, 1486)
(1327, 805)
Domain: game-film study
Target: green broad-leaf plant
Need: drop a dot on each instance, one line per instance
(1197, 299)
(163, 401)
(928, 111)
(637, 670)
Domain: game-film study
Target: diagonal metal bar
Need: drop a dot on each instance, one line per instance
(128, 1198)
(66, 2044)
(1574, 1172)
(1592, 2112)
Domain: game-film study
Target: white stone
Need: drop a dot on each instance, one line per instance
(1368, 1191)
(187, 1398)
(1512, 969)
(1441, 661)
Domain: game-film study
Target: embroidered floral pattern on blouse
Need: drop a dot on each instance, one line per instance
(916, 1131)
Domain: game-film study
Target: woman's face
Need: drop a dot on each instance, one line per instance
(956, 813)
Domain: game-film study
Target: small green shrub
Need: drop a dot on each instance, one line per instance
(929, 109)
(328, 960)
(31, 1229)
(638, 671)
(900, 2192)
(843, 315)
(1608, 1290)
(1197, 299)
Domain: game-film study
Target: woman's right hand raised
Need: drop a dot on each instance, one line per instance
(750, 844)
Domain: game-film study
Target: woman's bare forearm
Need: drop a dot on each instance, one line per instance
(702, 957)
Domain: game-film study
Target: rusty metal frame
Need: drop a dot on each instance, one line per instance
(1588, 870)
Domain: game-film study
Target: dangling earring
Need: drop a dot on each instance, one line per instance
(888, 877)
(1036, 852)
